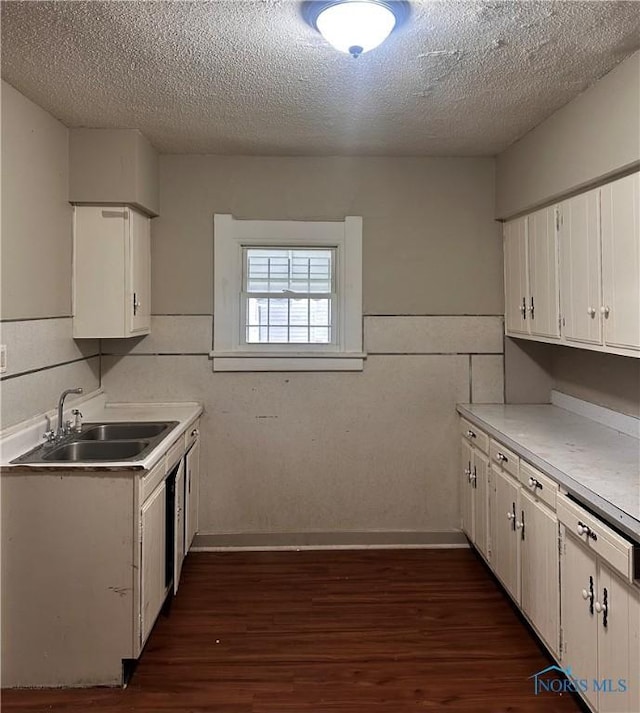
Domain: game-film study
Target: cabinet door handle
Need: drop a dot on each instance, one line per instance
(523, 308)
(520, 525)
(604, 310)
(604, 607)
(531, 309)
(591, 311)
(474, 477)
(588, 594)
(136, 303)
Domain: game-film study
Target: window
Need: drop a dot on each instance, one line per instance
(288, 295)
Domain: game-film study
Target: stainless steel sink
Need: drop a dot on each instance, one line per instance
(117, 441)
(79, 451)
(123, 431)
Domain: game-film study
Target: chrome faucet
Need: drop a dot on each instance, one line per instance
(64, 428)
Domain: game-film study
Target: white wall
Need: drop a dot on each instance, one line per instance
(36, 265)
(594, 136)
(430, 244)
(302, 456)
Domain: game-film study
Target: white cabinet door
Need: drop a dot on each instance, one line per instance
(466, 492)
(543, 299)
(539, 568)
(516, 287)
(111, 267)
(620, 216)
(580, 268)
(153, 569)
(480, 481)
(178, 527)
(139, 308)
(617, 612)
(578, 615)
(192, 494)
(504, 534)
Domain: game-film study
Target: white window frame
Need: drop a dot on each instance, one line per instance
(230, 350)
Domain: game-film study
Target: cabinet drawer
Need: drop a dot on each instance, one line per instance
(505, 458)
(152, 479)
(474, 435)
(615, 550)
(191, 434)
(538, 484)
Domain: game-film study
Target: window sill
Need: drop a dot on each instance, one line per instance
(299, 361)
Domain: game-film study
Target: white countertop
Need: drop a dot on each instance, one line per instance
(598, 465)
(95, 408)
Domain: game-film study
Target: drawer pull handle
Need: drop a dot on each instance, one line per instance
(502, 457)
(470, 434)
(195, 433)
(534, 483)
(586, 530)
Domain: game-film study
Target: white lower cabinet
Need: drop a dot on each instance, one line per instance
(573, 577)
(192, 490)
(153, 587)
(600, 629)
(539, 575)
(600, 612)
(474, 484)
(505, 532)
(178, 527)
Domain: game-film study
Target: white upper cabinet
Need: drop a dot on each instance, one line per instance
(530, 276)
(620, 217)
(579, 240)
(515, 276)
(543, 278)
(111, 272)
(577, 265)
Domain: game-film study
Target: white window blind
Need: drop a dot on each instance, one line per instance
(289, 295)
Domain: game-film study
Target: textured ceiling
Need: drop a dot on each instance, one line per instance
(250, 77)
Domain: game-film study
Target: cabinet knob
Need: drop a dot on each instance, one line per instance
(502, 457)
(591, 311)
(600, 607)
(510, 516)
(195, 433)
(470, 434)
(585, 594)
(583, 529)
(605, 310)
(518, 524)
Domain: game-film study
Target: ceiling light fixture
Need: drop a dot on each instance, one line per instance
(355, 26)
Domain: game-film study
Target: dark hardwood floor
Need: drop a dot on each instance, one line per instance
(375, 631)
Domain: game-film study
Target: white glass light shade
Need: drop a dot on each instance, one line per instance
(356, 27)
